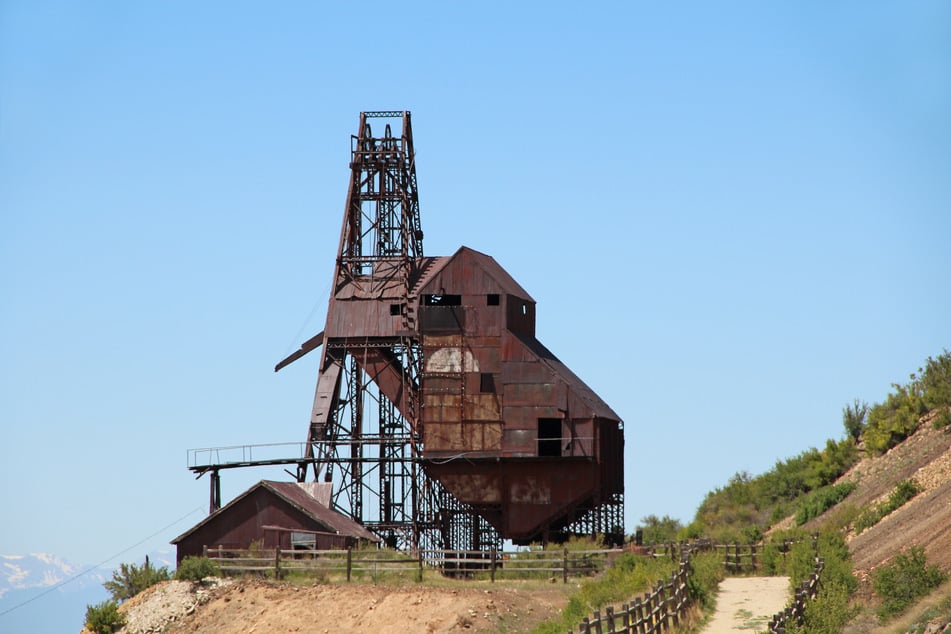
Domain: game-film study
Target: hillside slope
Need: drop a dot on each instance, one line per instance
(925, 520)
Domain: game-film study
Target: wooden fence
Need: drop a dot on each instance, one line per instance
(737, 558)
(659, 610)
(522, 564)
(664, 606)
(806, 592)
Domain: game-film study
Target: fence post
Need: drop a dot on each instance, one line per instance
(585, 626)
(564, 568)
(492, 557)
(349, 562)
(626, 618)
(637, 610)
(672, 602)
(277, 562)
(597, 622)
(204, 551)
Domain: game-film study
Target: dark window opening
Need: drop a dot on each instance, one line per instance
(487, 383)
(396, 309)
(492, 299)
(442, 300)
(549, 437)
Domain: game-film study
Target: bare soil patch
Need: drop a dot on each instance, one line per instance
(258, 606)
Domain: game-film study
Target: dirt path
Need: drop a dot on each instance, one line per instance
(747, 603)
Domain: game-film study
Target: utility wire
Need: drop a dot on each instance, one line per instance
(99, 565)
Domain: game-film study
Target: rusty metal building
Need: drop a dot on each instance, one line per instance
(507, 428)
(438, 419)
(274, 515)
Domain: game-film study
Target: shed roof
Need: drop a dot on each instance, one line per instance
(574, 382)
(297, 496)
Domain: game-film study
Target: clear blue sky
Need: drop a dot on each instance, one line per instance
(735, 218)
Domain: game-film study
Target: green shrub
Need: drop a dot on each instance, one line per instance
(902, 582)
(706, 573)
(891, 422)
(828, 613)
(659, 530)
(104, 618)
(630, 575)
(942, 420)
(936, 381)
(903, 491)
(196, 569)
(129, 580)
(821, 500)
(853, 419)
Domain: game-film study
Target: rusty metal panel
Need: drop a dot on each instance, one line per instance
(527, 372)
(441, 385)
(478, 488)
(359, 318)
(520, 442)
(439, 436)
(526, 417)
(531, 489)
(442, 408)
(514, 394)
(482, 407)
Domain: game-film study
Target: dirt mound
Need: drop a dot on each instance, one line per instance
(257, 606)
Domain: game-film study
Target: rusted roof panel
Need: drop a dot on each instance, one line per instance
(575, 384)
(471, 261)
(298, 497)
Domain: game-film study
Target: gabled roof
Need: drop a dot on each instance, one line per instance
(295, 495)
(433, 266)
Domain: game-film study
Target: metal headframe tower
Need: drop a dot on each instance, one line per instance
(364, 435)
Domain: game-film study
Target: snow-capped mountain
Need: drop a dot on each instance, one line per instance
(41, 570)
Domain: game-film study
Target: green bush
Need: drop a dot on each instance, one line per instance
(104, 618)
(196, 569)
(630, 575)
(904, 581)
(821, 500)
(853, 419)
(129, 580)
(936, 381)
(828, 613)
(903, 491)
(659, 530)
(942, 420)
(706, 573)
(891, 422)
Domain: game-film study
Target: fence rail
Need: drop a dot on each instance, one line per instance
(657, 611)
(518, 564)
(806, 592)
(737, 558)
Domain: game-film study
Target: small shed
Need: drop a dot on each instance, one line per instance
(272, 514)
